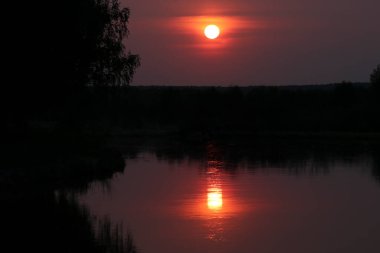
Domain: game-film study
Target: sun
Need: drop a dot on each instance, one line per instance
(212, 32)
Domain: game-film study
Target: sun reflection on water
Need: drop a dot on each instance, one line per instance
(215, 204)
(214, 199)
(215, 214)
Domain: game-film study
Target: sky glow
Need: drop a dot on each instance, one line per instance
(263, 42)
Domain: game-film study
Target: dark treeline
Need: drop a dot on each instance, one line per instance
(336, 108)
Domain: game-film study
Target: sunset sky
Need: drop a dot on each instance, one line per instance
(261, 42)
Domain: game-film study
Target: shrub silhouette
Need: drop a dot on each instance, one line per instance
(375, 76)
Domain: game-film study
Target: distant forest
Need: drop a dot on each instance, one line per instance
(344, 107)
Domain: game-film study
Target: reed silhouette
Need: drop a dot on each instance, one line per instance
(51, 223)
(39, 182)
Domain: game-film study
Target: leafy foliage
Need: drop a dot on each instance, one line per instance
(112, 65)
(74, 43)
(57, 48)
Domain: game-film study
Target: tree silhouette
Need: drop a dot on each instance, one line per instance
(110, 64)
(88, 43)
(56, 48)
(72, 43)
(375, 76)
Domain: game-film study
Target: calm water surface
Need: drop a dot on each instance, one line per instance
(212, 204)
